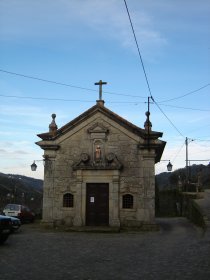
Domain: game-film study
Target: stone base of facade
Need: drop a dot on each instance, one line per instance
(101, 229)
(48, 224)
(142, 227)
(139, 225)
(128, 227)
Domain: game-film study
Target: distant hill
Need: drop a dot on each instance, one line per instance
(29, 191)
(168, 185)
(22, 190)
(171, 180)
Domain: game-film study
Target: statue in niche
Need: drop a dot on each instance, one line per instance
(98, 153)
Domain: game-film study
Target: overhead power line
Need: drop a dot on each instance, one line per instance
(83, 88)
(203, 140)
(66, 85)
(108, 92)
(62, 99)
(79, 100)
(137, 45)
(185, 108)
(186, 94)
(45, 80)
(169, 120)
(42, 98)
(140, 56)
(91, 101)
(145, 74)
(183, 144)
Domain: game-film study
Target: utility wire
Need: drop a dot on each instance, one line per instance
(137, 45)
(183, 144)
(181, 96)
(83, 88)
(42, 98)
(208, 140)
(67, 85)
(62, 99)
(90, 101)
(147, 78)
(169, 119)
(185, 108)
(44, 80)
(108, 92)
(150, 93)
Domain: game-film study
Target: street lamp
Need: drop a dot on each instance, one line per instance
(34, 166)
(169, 166)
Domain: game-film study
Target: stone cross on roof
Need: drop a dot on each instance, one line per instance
(100, 83)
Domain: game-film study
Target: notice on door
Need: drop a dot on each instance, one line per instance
(92, 199)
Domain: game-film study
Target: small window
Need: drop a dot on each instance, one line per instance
(127, 201)
(68, 200)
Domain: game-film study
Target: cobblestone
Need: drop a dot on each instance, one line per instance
(178, 251)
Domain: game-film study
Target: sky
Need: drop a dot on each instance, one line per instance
(75, 43)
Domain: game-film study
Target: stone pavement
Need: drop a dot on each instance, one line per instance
(178, 251)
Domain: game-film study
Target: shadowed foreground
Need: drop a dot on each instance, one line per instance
(178, 251)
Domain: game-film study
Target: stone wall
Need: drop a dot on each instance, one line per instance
(135, 178)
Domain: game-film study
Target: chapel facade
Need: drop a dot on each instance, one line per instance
(99, 171)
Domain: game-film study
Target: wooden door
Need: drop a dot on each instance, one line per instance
(97, 204)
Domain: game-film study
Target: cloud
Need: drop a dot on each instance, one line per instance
(44, 19)
(18, 156)
(196, 153)
(13, 153)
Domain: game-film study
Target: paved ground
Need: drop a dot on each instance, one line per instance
(178, 251)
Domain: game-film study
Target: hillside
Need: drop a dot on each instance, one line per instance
(171, 180)
(20, 189)
(28, 191)
(168, 185)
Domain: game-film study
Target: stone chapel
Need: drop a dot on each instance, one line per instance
(99, 171)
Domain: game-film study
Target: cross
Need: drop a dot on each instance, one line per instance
(100, 83)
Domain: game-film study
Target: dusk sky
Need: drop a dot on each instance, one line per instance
(75, 43)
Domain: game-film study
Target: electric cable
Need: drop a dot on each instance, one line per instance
(185, 108)
(180, 133)
(181, 96)
(137, 45)
(62, 99)
(108, 92)
(90, 101)
(67, 85)
(202, 140)
(140, 56)
(178, 152)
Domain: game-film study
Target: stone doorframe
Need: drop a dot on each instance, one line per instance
(112, 177)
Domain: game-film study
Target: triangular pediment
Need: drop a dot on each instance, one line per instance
(98, 131)
(97, 128)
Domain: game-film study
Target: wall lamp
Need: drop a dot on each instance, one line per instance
(169, 165)
(34, 166)
(46, 159)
